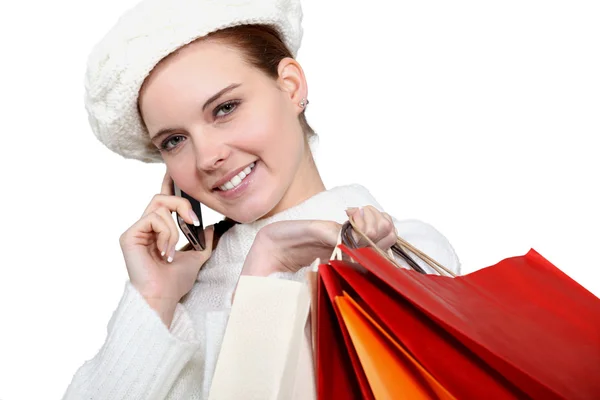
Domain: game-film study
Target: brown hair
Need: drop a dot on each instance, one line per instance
(263, 49)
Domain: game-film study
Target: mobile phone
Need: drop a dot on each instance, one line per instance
(194, 234)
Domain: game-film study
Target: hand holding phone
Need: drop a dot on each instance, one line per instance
(149, 246)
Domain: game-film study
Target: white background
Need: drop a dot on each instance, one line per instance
(481, 118)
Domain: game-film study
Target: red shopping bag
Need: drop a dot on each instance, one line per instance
(518, 329)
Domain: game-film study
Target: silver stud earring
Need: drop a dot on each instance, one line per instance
(303, 103)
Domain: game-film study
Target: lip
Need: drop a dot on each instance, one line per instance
(229, 176)
(237, 191)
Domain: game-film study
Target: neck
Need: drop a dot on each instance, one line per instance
(306, 184)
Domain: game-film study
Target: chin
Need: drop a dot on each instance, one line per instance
(249, 213)
(242, 218)
(248, 216)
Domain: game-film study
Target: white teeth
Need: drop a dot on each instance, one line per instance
(236, 180)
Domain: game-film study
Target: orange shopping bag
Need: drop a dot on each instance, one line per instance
(392, 372)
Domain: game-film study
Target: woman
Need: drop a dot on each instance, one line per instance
(212, 89)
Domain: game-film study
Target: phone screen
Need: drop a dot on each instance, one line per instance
(194, 234)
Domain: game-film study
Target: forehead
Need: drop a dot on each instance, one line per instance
(203, 52)
(209, 64)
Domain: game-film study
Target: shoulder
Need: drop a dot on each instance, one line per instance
(430, 241)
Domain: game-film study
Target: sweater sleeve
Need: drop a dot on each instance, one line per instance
(140, 358)
(430, 241)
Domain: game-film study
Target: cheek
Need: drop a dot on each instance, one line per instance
(181, 169)
(270, 134)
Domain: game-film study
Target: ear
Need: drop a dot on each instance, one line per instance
(292, 81)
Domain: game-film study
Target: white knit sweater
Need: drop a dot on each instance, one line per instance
(143, 359)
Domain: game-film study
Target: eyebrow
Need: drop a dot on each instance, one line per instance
(219, 94)
(208, 102)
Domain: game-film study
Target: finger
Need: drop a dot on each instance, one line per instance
(388, 241)
(386, 235)
(165, 214)
(173, 203)
(388, 217)
(386, 224)
(154, 224)
(371, 223)
(375, 224)
(167, 185)
(356, 214)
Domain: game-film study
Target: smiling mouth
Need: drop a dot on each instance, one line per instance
(236, 180)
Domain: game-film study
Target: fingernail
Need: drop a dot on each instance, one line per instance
(350, 210)
(195, 218)
(361, 211)
(171, 255)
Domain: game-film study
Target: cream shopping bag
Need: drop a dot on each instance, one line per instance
(267, 348)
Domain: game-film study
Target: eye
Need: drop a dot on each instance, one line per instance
(225, 109)
(172, 142)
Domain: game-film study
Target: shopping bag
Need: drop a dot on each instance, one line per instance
(266, 352)
(392, 372)
(518, 329)
(340, 373)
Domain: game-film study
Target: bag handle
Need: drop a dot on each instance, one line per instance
(399, 249)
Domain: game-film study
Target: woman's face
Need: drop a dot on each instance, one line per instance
(228, 133)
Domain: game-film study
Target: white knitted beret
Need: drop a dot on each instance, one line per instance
(144, 35)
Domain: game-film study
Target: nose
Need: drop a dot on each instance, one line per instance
(211, 152)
